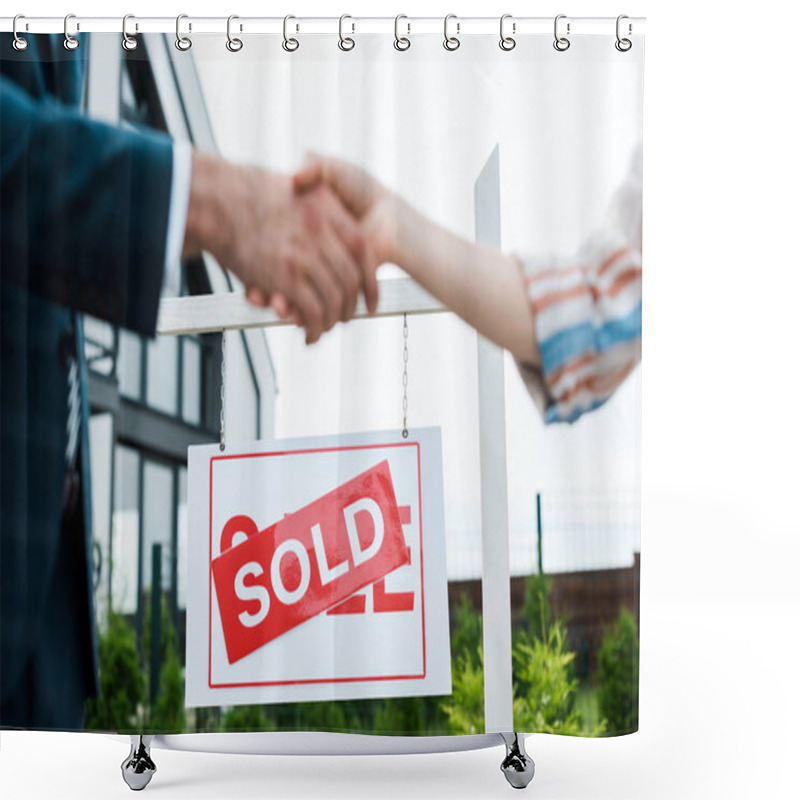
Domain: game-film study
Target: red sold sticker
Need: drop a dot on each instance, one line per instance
(308, 562)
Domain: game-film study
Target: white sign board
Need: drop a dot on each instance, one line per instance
(317, 570)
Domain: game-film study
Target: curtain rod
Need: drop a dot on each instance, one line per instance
(321, 25)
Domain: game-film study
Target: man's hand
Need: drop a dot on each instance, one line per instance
(301, 247)
(368, 200)
(374, 207)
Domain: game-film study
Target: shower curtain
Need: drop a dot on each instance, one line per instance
(235, 500)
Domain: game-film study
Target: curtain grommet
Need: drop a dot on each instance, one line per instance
(20, 43)
(289, 44)
(129, 43)
(623, 44)
(183, 43)
(401, 43)
(451, 43)
(346, 43)
(233, 44)
(507, 43)
(561, 43)
(70, 42)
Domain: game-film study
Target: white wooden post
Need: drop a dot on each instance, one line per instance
(497, 682)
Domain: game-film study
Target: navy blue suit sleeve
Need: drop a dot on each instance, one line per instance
(84, 209)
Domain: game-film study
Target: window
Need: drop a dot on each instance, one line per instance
(191, 376)
(162, 374)
(158, 521)
(125, 532)
(129, 365)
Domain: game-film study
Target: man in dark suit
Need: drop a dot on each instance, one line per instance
(85, 212)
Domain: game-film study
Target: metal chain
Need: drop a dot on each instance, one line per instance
(222, 393)
(405, 376)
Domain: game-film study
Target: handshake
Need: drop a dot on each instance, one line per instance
(306, 245)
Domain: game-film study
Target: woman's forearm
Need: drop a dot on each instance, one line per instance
(482, 285)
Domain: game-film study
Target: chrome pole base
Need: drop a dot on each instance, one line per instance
(517, 766)
(138, 768)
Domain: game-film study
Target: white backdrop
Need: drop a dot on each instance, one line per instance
(424, 122)
(720, 604)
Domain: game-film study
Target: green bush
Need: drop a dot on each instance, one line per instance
(169, 712)
(545, 690)
(466, 636)
(245, 718)
(409, 715)
(205, 720)
(544, 686)
(122, 683)
(464, 710)
(618, 674)
(536, 613)
(123, 702)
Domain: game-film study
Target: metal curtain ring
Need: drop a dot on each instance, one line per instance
(623, 45)
(561, 43)
(451, 42)
(182, 42)
(290, 44)
(20, 43)
(233, 44)
(70, 42)
(128, 42)
(401, 42)
(345, 42)
(507, 42)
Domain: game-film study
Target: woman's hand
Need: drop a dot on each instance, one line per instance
(371, 203)
(373, 206)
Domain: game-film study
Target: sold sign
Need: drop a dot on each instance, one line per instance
(307, 563)
(343, 599)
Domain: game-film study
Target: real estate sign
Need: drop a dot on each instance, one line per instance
(317, 570)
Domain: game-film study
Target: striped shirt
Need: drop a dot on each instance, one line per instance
(588, 312)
